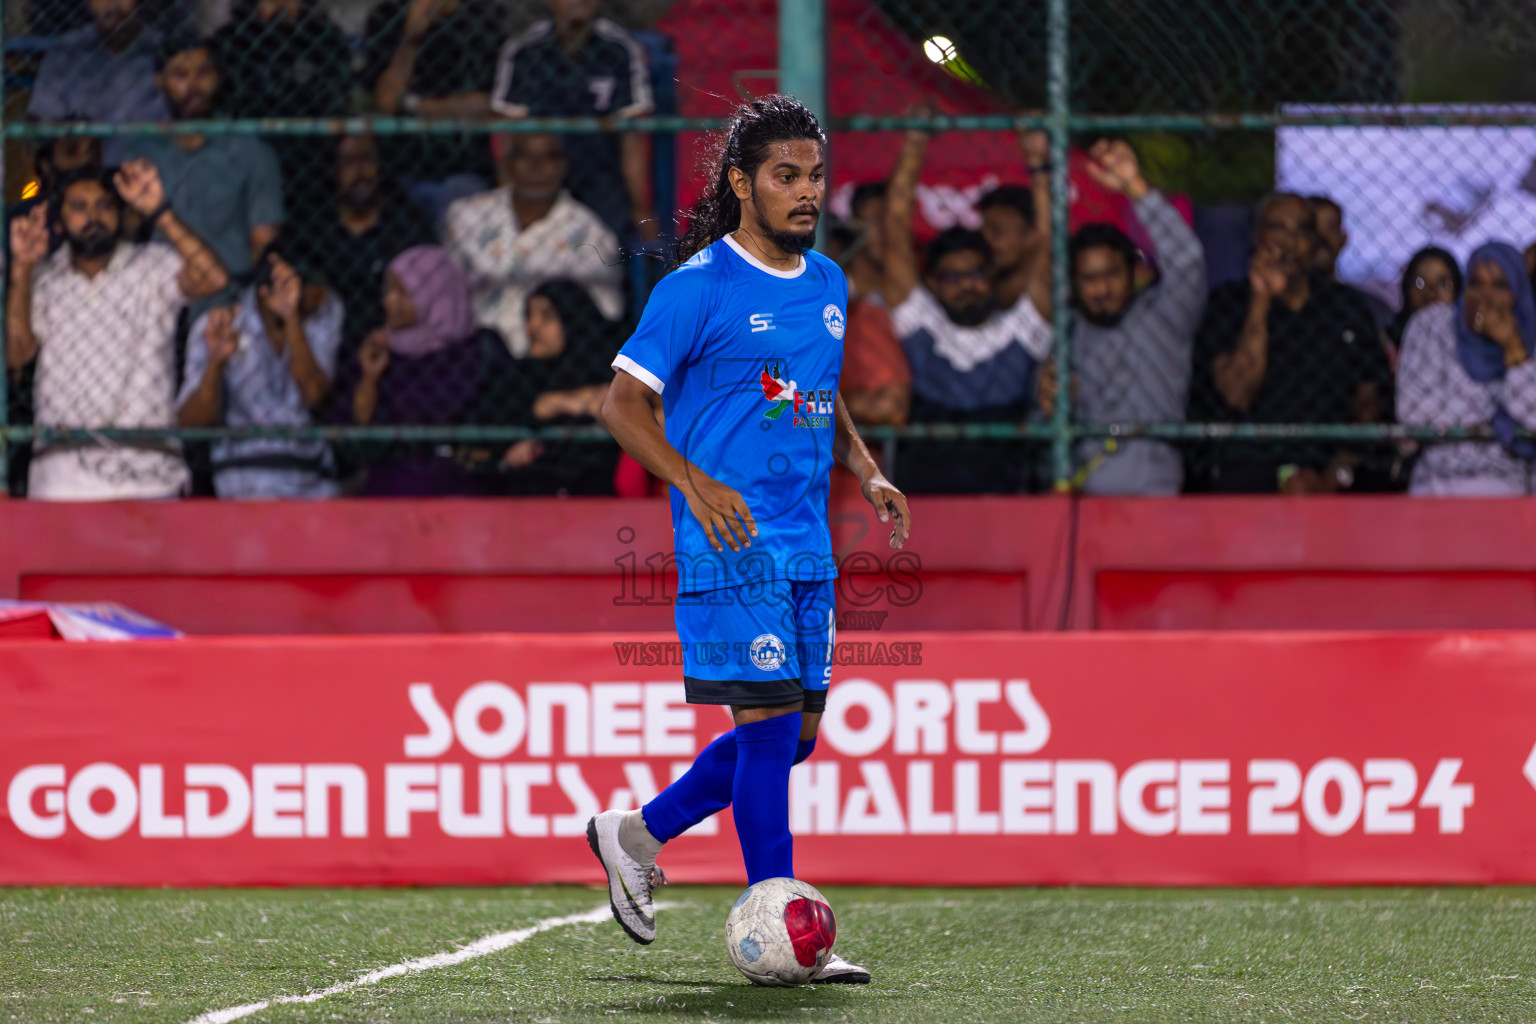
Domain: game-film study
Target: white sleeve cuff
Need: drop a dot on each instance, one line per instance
(634, 369)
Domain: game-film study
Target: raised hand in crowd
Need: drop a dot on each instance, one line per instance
(138, 182)
(1113, 164)
(286, 291)
(1265, 273)
(29, 238)
(374, 356)
(222, 339)
(29, 247)
(373, 360)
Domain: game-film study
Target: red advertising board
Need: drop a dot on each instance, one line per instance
(945, 758)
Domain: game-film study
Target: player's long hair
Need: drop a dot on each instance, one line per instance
(744, 143)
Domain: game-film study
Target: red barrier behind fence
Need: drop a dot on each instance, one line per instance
(945, 759)
(557, 565)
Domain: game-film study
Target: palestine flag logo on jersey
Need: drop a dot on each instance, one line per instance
(775, 390)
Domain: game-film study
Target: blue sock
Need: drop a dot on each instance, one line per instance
(765, 752)
(703, 790)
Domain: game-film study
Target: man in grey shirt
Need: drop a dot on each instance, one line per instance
(104, 71)
(228, 189)
(1131, 352)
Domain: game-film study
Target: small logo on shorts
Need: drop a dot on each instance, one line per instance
(768, 652)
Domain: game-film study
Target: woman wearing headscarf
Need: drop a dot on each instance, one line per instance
(1468, 364)
(428, 365)
(561, 382)
(1432, 275)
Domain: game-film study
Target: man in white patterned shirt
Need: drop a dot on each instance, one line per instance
(99, 315)
(514, 238)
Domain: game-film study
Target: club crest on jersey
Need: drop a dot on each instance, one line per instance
(833, 318)
(767, 652)
(813, 408)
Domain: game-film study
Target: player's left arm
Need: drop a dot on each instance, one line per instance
(848, 447)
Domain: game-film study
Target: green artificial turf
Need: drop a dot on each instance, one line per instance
(937, 954)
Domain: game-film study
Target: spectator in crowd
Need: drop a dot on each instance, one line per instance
(285, 58)
(429, 364)
(876, 383)
(435, 59)
(265, 362)
(1331, 240)
(867, 210)
(1286, 346)
(530, 230)
(55, 158)
(575, 64)
(1009, 213)
(970, 360)
(1469, 364)
(227, 189)
(99, 315)
(104, 71)
(1432, 275)
(1131, 352)
(368, 223)
(562, 382)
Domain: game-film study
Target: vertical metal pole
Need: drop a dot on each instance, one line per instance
(1058, 87)
(803, 61)
(5, 228)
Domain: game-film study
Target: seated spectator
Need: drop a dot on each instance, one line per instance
(265, 363)
(285, 58)
(282, 58)
(227, 189)
(1286, 346)
(1331, 240)
(428, 365)
(435, 59)
(1431, 276)
(970, 360)
(562, 382)
(100, 315)
(576, 64)
(368, 223)
(514, 238)
(104, 71)
(1470, 364)
(876, 383)
(1131, 352)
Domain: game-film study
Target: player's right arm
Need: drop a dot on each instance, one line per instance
(674, 322)
(628, 414)
(900, 197)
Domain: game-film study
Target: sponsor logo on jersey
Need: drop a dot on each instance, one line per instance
(761, 322)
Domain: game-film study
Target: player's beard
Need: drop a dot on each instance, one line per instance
(793, 242)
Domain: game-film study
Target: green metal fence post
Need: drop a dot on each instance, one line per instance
(1058, 116)
(803, 61)
(5, 228)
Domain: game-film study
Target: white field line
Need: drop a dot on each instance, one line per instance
(480, 947)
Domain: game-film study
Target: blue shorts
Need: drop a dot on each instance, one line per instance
(759, 644)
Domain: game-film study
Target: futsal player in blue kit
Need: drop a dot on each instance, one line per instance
(739, 351)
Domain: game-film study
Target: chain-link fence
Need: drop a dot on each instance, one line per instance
(392, 246)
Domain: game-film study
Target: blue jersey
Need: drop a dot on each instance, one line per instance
(746, 360)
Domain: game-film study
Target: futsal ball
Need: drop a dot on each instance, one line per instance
(780, 932)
